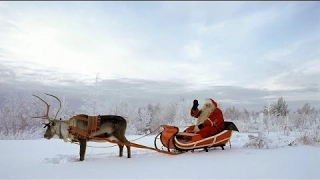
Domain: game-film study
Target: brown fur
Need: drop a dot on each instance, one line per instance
(112, 127)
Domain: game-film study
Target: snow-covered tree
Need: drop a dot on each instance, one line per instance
(306, 110)
(16, 114)
(245, 115)
(159, 116)
(232, 113)
(280, 108)
(17, 111)
(144, 121)
(182, 116)
(169, 112)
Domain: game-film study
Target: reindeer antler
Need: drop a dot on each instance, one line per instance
(59, 104)
(46, 116)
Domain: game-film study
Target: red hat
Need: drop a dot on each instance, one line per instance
(210, 101)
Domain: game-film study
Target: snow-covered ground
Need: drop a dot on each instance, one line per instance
(52, 159)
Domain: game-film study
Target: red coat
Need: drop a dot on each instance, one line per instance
(211, 126)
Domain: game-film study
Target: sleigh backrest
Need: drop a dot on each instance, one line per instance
(228, 125)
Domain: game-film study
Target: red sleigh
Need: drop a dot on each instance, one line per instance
(174, 140)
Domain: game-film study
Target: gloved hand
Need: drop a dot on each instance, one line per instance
(200, 126)
(195, 104)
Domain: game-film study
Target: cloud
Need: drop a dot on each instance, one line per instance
(238, 52)
(193, 49)
(294, 67)
(79, 41)
(246, 38)
(238, 31)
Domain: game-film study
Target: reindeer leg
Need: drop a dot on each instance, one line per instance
(83, 146)
(120, 150)
(123, 139)
(128, 149)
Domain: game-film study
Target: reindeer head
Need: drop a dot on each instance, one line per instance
(52, 127)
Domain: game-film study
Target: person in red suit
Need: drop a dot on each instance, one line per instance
(210, 119)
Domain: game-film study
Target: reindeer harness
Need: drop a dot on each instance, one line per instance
(93, 124)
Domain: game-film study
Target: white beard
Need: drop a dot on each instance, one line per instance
(205, 113)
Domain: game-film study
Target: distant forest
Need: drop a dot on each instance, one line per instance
(16, 114)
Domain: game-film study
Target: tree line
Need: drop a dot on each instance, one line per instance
(18, 108)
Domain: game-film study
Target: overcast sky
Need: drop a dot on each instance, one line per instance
(239, 53)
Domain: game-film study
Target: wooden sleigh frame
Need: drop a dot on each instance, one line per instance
(173, 140)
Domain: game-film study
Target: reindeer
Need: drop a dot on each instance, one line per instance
(112, 127)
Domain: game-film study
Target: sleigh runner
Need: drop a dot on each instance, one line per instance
(174, 140)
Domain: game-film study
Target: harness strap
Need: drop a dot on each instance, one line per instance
(93, 124)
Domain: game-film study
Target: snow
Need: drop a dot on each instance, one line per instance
(55, 159)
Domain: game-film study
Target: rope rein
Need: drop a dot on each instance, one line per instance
(137, 146)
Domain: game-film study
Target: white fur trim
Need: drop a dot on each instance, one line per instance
(208, 101)
(211, 122)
